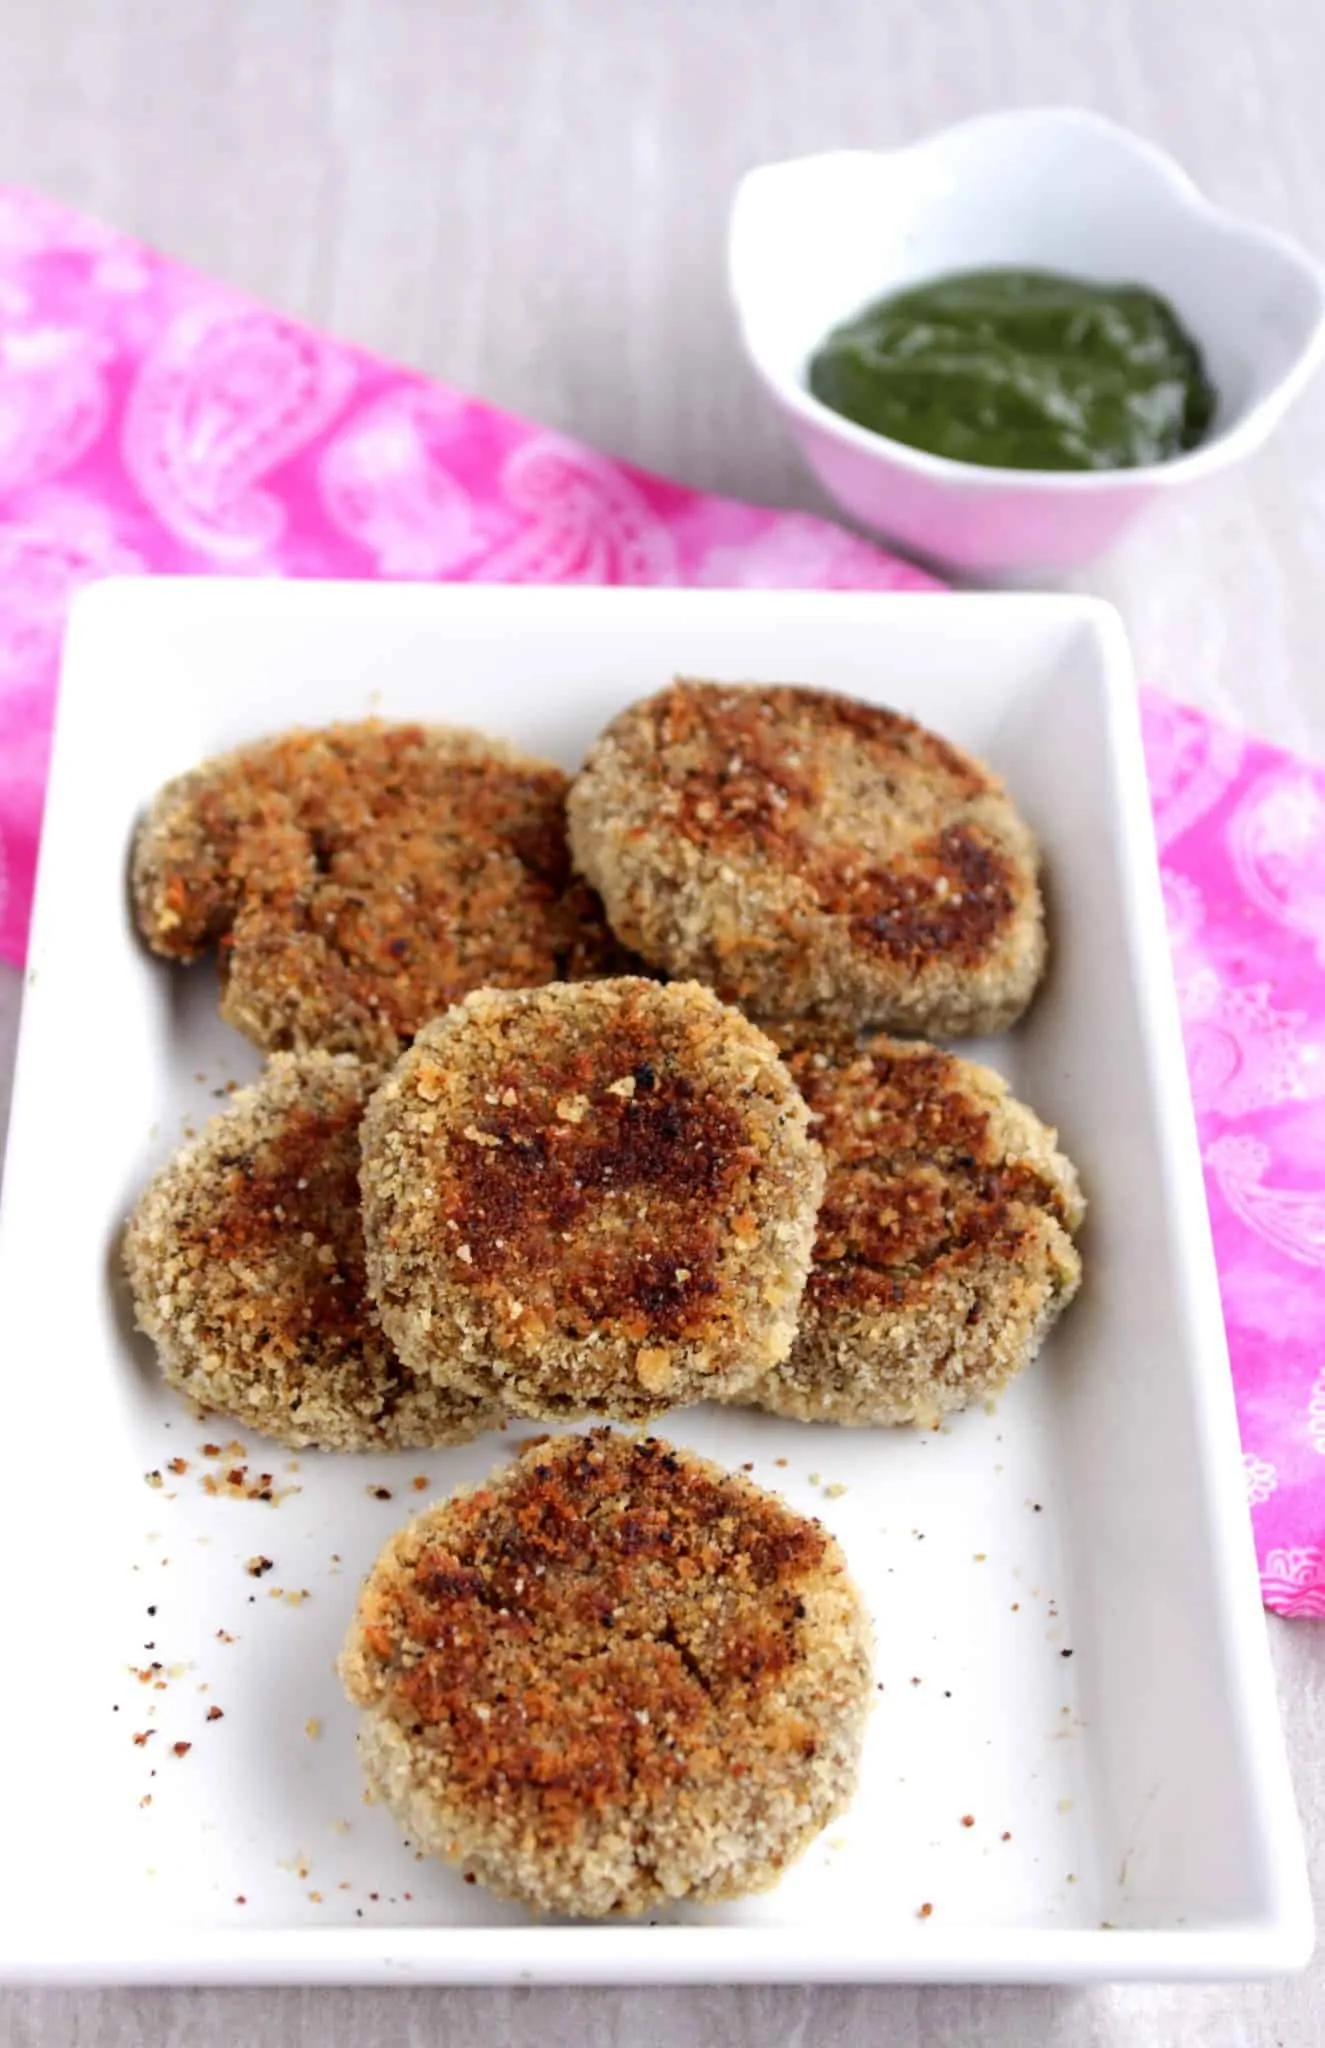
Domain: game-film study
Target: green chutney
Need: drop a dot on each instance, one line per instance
(1021, 369)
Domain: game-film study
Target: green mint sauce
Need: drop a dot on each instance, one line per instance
(1021, 369)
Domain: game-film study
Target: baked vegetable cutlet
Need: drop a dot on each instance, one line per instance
(357, 879)
(246, 1261)
(612, 1677)
(807, 854)
(590, 1198)
(944, 1251)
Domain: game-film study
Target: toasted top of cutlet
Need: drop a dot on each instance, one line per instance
(591, 1156)
(604, 1621)
(272, 1183)
(428, 859)
(882, 822)
(930, 1164)
(246, 1258)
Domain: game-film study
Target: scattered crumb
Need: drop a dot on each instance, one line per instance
(340, 1827)
(316, 1897)
(153, 1479)
(235, 1484)
(980, 1557)
(146, 1799)
(1006, 1835)
(420, 1482)
(777, 1461)
(835, 1491)
(1065, 1653)
(224, 1636)
(215, 1714)
(925, 1911)
(747, 1468)
(240, 1900)
(379, 1492)
(181, 1748)
(313, 1728)
(139, 1740)
(968, 1820)
(257, 1566)
(178, 1465)
(814, 1479)
(291, 1596)
(1065, 1806)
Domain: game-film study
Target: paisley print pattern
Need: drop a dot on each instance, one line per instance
(1192, 761)
(1242, 1053)
(225, 399)
(53, 400)
(386, 484)
(152, 421)
(1277, 840)
(1293, 1581)
(1291, 1219)
(586, 521)
(1316, 1414)
(59, 541)
(805, 553)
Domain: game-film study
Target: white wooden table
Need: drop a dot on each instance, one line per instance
(528, 200)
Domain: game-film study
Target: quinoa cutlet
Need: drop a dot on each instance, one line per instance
(245, 1257)
(597, 1197)
(944, 1250)
(612, 1677)
(806, 854)
(359, 878)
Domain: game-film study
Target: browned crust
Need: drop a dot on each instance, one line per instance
(614, 1675)
(246, 1261)
(808, 854)
(594, 1197)
(944, 1244)
(359, 878)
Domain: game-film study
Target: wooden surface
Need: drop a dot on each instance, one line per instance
(528, 200)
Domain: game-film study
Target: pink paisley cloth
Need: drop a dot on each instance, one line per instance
(155, 422)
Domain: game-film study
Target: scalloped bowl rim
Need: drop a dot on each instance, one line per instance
(1243, 434)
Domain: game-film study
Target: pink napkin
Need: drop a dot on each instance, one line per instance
(154, 422)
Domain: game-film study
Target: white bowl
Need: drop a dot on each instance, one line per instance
(814, 239)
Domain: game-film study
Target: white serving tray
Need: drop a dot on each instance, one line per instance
(1070, 1646)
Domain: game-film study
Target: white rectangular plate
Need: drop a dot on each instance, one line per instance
(1070, 1647)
